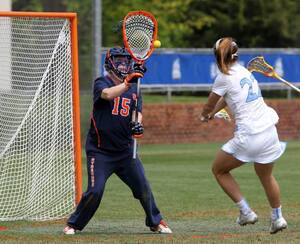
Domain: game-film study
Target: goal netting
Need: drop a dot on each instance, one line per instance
(37, 172)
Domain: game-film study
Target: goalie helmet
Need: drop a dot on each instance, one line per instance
(119, 61)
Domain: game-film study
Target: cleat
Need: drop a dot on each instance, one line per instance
(69, 230)
(250, 218)
(161, 228)
(278, 225)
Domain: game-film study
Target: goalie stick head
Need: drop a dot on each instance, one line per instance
(118, 61)
(139, 33)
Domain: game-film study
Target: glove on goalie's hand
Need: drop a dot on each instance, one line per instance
(132, 78)
(137, 129)
(137, 71)
(139, 68)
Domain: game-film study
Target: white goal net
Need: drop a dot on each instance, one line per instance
(37, 180)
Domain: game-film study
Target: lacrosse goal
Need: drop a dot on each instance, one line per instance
(40, 152)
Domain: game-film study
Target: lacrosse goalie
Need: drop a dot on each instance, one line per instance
(109, 143)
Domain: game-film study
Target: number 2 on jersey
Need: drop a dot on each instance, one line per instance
(252, 85)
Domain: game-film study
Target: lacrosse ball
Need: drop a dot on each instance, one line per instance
(157, 43)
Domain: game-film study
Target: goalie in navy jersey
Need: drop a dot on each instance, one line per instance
(109, 143)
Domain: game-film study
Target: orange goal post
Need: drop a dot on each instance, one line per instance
(40, 147)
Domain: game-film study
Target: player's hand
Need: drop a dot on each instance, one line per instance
(137, 129)
(132, 78)
(205, 118)
(137, 71)
(139, 68)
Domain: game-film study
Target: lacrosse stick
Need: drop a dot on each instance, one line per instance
(259, 64)
(139, 33)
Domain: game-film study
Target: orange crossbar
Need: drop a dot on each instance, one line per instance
(75, 84)
(38, 14)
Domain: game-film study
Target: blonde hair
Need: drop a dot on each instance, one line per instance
(225, 50)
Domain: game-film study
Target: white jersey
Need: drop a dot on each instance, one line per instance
(243, 96)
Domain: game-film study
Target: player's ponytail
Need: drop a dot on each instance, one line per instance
(225, 50)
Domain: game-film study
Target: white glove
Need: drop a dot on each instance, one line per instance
(222, 114)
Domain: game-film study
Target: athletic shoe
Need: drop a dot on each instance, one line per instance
(69, 230)
(161, 228)
(278, 225)
(250, 218)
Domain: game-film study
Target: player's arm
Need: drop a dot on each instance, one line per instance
(219, 106)
(115, 91)
(210, 106)
(140, 117)
(110, 93)
(215, 103)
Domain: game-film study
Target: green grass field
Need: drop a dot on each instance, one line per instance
(189, 198)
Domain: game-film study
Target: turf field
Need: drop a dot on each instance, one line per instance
(189, 198)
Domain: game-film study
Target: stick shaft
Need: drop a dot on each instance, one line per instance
(287, 83)
(136, 116)
(134, 148)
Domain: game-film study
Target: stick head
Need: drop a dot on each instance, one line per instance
(259, 64)
(139, 34)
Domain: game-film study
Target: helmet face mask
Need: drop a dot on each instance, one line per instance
(118, 61)
(122, 64)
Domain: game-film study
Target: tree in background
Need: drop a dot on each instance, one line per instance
(198, 23)
(254, 23)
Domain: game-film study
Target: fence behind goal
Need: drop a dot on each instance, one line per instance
(193, 69)
(40, 175)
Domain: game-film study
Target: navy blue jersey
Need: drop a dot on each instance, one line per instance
(110, 119)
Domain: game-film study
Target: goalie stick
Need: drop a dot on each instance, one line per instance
(139, 33)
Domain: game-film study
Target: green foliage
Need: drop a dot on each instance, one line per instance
(31, 5)
(85, 45)
(198, 23)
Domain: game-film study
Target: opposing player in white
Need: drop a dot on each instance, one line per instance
(255, 137)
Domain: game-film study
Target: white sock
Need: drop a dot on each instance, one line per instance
(276, 213)
(244, 206)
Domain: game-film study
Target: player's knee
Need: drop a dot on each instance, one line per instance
(217, 171)
(214, 170)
